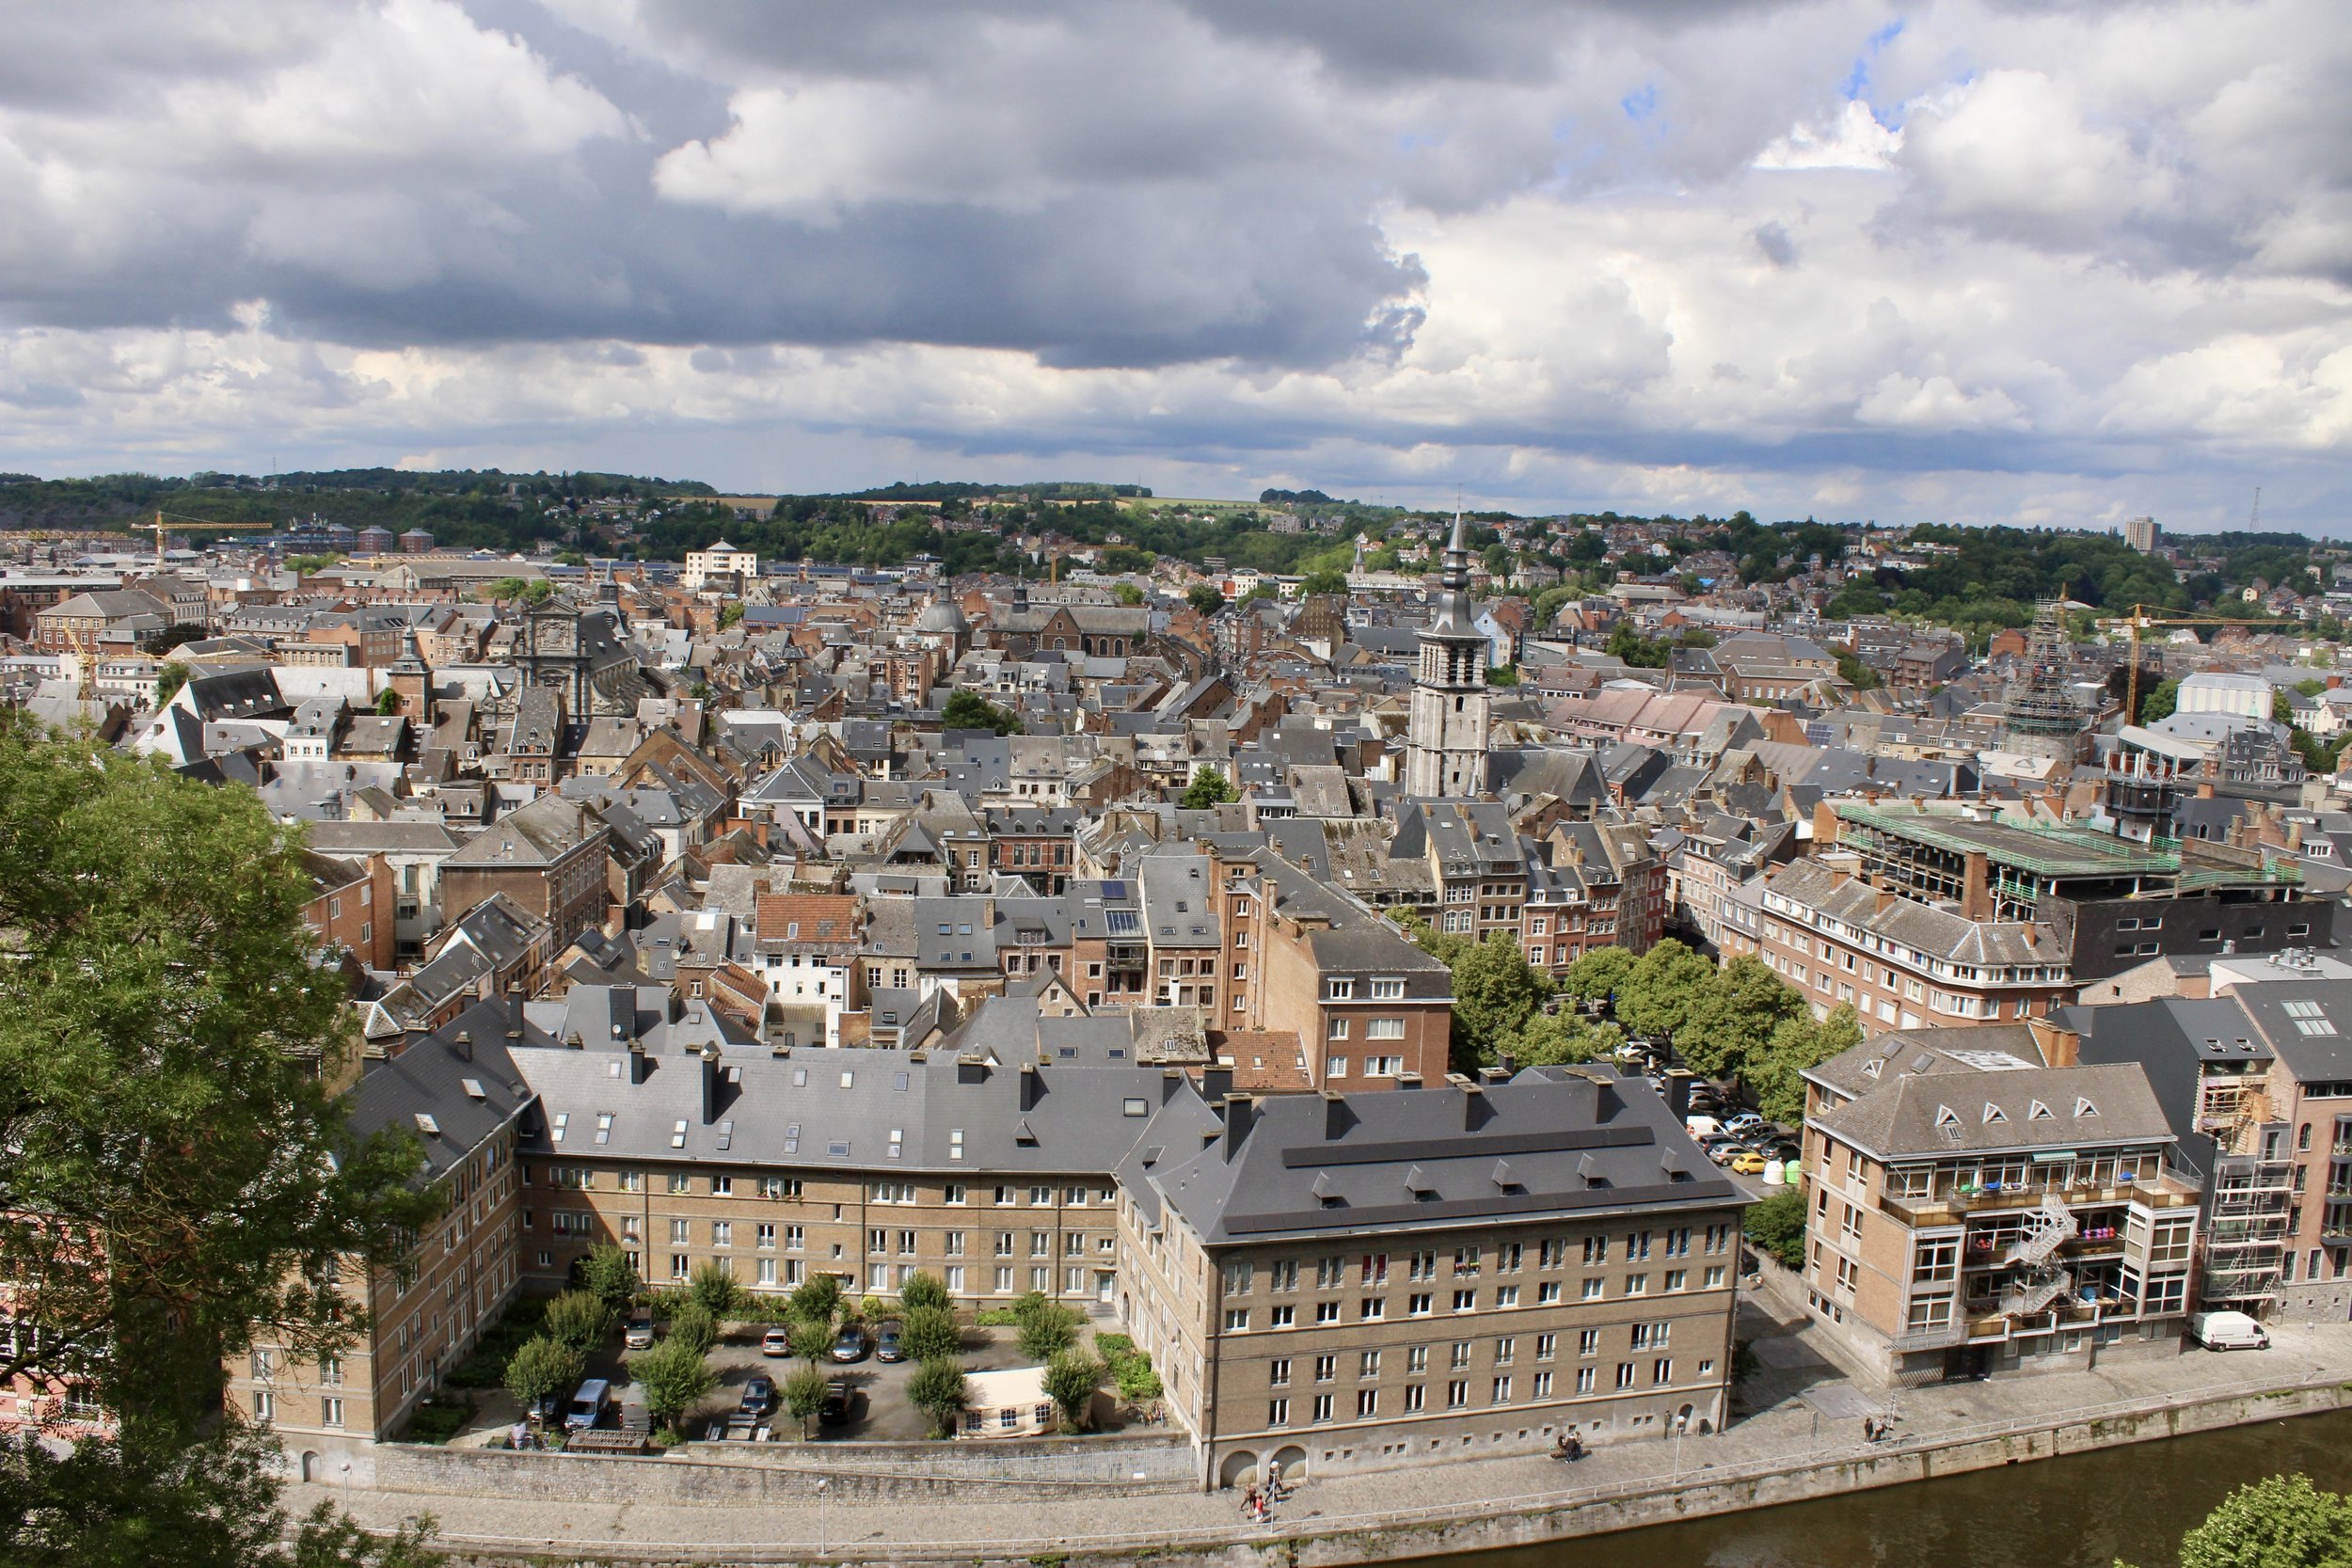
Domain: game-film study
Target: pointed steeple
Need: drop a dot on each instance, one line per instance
(1456, 570)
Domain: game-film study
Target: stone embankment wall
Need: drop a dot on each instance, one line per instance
(1489, 1523)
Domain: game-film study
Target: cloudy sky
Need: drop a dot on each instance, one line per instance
(1968, 260)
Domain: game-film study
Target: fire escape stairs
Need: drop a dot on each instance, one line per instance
(2047, 1228)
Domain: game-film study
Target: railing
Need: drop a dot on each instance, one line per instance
(1668, 1482)
(2160, 1192)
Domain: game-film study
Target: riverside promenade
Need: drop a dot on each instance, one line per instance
(1805, 1439)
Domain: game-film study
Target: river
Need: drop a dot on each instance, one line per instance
(2084, 1510)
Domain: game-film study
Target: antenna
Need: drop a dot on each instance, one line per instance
(2254, 519)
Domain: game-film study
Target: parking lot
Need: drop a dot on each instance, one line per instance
(879, 1411)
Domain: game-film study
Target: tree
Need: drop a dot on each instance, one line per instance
(130, 1501)
(804, 1394)
(1071, 1380)
(1444, 946)
(2280, 1522)
(937, 1389)
(606, 1274)
(387, 701)
(1657, 993)
(692, 1324)
(1798, 1044)
(1634, 649)
(1728, 1024)
(1550, 1038)
(818, 1297)
(175, 1168)
(2282, 708)
(1205, 598)
(581, 1319)
(1326, 582)
(924, 1289)
(1600, 974)
(1128, 594)
(1209, 788)
(2157, 706)
(541, 1366)
(967, 710)
(1495, 992)
(1047, 1328)
(1502, 675)
(169, 678)
(715, 1291)
(675, 1377)
(810, 1337)
(1857, 674)
(1776, 1224)
(929, 1333)
(730, 615)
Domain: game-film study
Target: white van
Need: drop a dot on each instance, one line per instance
(2227, 1331)
(589, 1405)
(1701, 1127)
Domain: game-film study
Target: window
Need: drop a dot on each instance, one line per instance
(1384, 1029)
(1339, 990)
(1279, 1372)
(1466, 1301)
(1458, 1394)
(1585, 1378)
(1420, 1304)
(1637, 1284)
(1278, 1413)
(1322, 1408)
(1236, 1320)
(331, 1412)
(264, 1404)
(1337, 1028)
(1327, 1367)
(1592, 1288)
(1388, 989)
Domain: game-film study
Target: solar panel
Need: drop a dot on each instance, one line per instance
(1114, 890)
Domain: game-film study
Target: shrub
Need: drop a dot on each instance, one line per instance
(922, 1291)
(937, 1390)
(438, 1420)
(485, 1368)
(997, 1317)
(1130, 1368)
(675, 1376)
(930, 1334)
(580, 1319)
(715, 1291)
(1047, 1329)
(1777, 1226)
(1070, 1379)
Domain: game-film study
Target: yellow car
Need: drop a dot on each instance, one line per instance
(1748, 1163)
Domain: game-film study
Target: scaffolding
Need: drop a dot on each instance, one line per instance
(2041, 716)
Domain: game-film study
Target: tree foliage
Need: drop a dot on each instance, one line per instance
(1047, 1327)
(606, 1274)
(2279, 1522)
(169, 677)
(1496, 993)
(174, 1170)
(928, 1333)
(1799, 1043)
(967, 710)
(1205, 598)
(675, 1377)
(1777, 1226)
(937, 1389)
(1728, 1020)
(1657, 993)
(1070, 1379)
(818, 1297)
(692, 1324)
(924, 1289)
(804, 1393)
(1600, 974)
(810, 1337)
(581, 1319)
(1324, 581)
(2158, 704)
(1549, 1039)
(540, 1367)
(714, 1290)
(1208, 790)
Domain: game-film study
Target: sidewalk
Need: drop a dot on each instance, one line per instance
(1793, 1378)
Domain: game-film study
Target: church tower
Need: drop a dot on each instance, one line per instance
(1446, 737)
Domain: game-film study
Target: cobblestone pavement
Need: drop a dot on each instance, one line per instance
(1786, 1426)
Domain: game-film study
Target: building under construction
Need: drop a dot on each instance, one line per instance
(2041, 716)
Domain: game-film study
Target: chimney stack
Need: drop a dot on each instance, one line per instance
(1032, 1085)
(710, 1084)
(1217, 1082)
(1240, 1114)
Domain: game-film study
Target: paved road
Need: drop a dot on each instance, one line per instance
(1794, 1381)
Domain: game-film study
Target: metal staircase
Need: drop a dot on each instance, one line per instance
(2024, 1299)
(2047, 1228)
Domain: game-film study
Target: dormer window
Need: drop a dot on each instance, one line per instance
(1339, 990)
(1994, 1113)
(2039, 1111)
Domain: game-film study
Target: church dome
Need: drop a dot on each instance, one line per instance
(942, 617)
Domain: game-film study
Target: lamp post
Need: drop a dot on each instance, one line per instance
(821, 1516)
(1682, 1424)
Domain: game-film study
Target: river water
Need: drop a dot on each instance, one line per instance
(2081, 1512)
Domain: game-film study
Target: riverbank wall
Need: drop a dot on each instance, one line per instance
(1484, 1524)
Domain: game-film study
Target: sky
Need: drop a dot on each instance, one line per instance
(1965, 261)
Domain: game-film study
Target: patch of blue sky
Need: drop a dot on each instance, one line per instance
(1858, 79)
(1641, 102)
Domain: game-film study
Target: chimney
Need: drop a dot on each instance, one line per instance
(972, 1067)
(1976, 890)
(1240, 1114)
(463, 1045)
(1678, 1091)
(1475, 1110)
(1032, 1085)
(1171, 1079)
(988, 913)
(1217, 1082)
(1489, 1076)
(710, 1084)
(2060, 1047)
(637, 1061)
(1337, 1118)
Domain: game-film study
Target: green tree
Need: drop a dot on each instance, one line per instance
(692, 1324)
(715, 1291)
(1798, 1044)
(1326, 582)
(2279, 1522)
(388, 701)
(1657, 994)
(1636, 650)
(1128, 594)
(581, 1319)
(2281, 709)
(1550, 1038)
(1205, 598)
(1444, 946)
(811, 1337)
(169, 678)
(818, 1297)
(675, 1377)
(2159, 704)
(937, 1389)
(804, 1394)
(1209, 788)
(929, 1333)
(1600, 974)
(924, 1289)
(968, 710)
(1046, 1327)
(540, 1367)
(1070, 1379)
(606, 1274)
(1502, 675)
(1495, 992)
(1858, 675)
(730, 614)
(1777, 1226)
(1728, 1024)
(130, 1502)
(175, 1168)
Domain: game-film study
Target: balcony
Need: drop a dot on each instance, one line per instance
(2168, 1191)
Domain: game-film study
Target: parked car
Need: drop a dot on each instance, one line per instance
(1748, 1163)
(850, 1343)
(759, 1395)
(886, 1343)
(838, 1395)
(637, 1334)
(1745, 1123)
(588, 1405)
(1705, 1099)
(776, 1342)
(1720, 1146)
(1786, 1150)
(2227, 1331)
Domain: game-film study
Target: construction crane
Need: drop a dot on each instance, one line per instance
(2148, 617)
(165, 524)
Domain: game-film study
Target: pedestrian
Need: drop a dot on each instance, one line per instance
(1274, 1481)
(1869, 1429)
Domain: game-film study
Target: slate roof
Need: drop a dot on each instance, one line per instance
(1951, 1105)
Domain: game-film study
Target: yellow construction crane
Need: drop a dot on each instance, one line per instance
(163, 524)
(2147, 617)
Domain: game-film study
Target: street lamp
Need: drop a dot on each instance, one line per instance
(1682, 1424)
(821, 1516)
